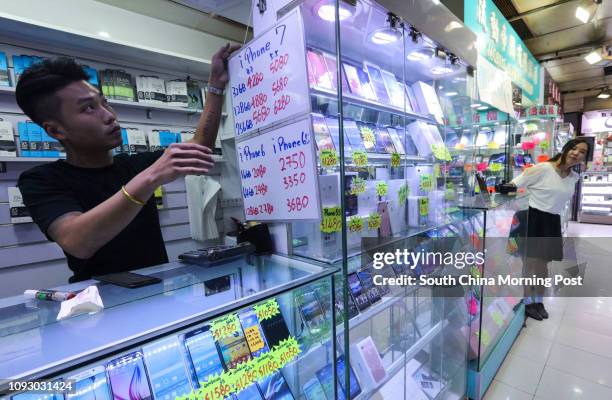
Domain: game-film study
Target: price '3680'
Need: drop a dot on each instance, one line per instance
(297, 203)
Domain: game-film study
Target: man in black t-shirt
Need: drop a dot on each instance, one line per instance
(97, 207)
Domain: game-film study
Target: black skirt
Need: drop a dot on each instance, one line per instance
(544, 238)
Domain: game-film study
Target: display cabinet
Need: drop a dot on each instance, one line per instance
(496, 311)
(252, 328)
(595, 204)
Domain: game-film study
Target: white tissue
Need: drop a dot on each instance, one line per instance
(86, 301)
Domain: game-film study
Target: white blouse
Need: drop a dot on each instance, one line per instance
(548, 191)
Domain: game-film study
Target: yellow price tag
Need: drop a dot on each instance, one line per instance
(254, 339)
(355, 223)
(441, 152)
(159, 197)
(382, 188)
(360, 158)
(423, 206)
(242, 377)
(358, 186)
(224, 326)
(493, 145)
(403, 193)
(496, 167)
(374, 221)
(395, 160)
(329, 158)
(367, 134)
(266, 310)
(436, 171)
(425, 182)
(332, 220)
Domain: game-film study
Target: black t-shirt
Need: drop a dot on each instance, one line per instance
(52, 190)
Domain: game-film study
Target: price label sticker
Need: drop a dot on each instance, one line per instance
(374, 220)
(242, 377)
(369, 139)
(360, 158)
(254, 339)
(329, 158)
(493, 145)
(382, 188)
(395, 160)
(496, 167)
(265, 365)
(441, 152)
(403, 194)
(266, 310)
(358, 186)
(449, 194)
(485, 337)
(423, 206)
(287, 351)
(545, 144)
(436, 171)
(332, 220)
(225, 326)
(497, 318)
(355, 223)
(425, 182)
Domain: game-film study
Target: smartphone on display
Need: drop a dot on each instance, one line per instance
(368, 136)
(377, 83)
(91, 384)
(368, 285)
(397, 142)
(321, 132)
(311, 311)
(411, 149)
(334, 131)
(128, 377)
(355, 389)
(128, 279)
(275, 387)
(234, 349)
(166, 366)
(330, 63)
(325, 376)
(203, 355)
(313, 390)
(351, 130)
(359, 294)
(339, 302)
(318, 73)
(366, 85)
(353, 79)
(396, 92)
(275, 329)
(253, 332)
(384, 144)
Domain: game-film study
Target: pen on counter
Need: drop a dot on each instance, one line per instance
(50, 295)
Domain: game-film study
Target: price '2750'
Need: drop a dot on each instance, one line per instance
(297, 203)
(294, 161)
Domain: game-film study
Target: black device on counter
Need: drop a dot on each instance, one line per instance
(505, 188)
(128, 279)
(215, 254)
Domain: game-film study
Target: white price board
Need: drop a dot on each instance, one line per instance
(278, 172)
(268, 78)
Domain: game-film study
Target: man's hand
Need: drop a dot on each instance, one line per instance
(219, 75)
(178, 160)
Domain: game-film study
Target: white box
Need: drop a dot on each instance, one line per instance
(367, 363)
(428, 101)
(177, 93)
(8, 147)
(136, 140)
(18, 210)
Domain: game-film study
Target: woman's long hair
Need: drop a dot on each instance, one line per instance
(569, 146)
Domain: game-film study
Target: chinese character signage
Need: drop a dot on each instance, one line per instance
(500, 44)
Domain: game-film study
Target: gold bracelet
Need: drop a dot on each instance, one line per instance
(131, 198)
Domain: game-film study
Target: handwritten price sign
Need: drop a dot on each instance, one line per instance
(423, 206)
(355, 223)
(225, 326)
(358, 186)
(329, 158)
(360, 158)
(268, 77)
(266, 310)
(382, 188)
(425, 182)
(395, 160)
(332, 220)
(403, 193)
(374, 220)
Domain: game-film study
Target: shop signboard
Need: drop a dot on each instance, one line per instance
(501, 45)
(278, 172)
(268, 78)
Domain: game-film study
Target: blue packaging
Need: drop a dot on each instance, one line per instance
(35, 138)
(4, 72)
(24, 140)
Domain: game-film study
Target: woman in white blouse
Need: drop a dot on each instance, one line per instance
(550, 186)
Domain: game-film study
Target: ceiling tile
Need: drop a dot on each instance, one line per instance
(526, 5)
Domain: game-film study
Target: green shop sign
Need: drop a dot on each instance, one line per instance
(498, 43)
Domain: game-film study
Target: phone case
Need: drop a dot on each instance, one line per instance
(353, 79)
(385, 221)
(377, 83)
(318, 74)
(368, 132)
(366, 85)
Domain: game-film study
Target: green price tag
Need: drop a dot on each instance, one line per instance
(425, 182)
(496, 167)
(423, 206)
(497, 318)
(332, 220)
(329, 158)
(395, 160)
(382, 188)
(485, 337)
(493, 145)
(266, 310)
(369, 139)
(360, 158)
(403, 193)
(374, 221)
(355, 223)
(358, 186)
(441, 152)
(224, 326)
(545, 144)
(436, 171)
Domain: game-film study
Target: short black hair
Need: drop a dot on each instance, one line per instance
(35, 92)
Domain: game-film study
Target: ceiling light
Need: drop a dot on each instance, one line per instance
(476, 105)
(593, 57)
(441, 70)
(482, 108)
(104, 34)
(583, 14)
(604, 94)
(385, 35)
(326, 10)
(451, 93)
(422, 54)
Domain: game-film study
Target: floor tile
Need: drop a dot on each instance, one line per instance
(546, 329)
(559, 385)
(591, 305)
(501, 391)
(532, 347)
(520, 373)
(589, 322)
(585, 340)
(580, 363)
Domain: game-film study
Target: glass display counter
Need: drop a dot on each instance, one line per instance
(497, 313)
(196, 332)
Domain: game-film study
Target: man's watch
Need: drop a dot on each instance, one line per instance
(214, 90)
